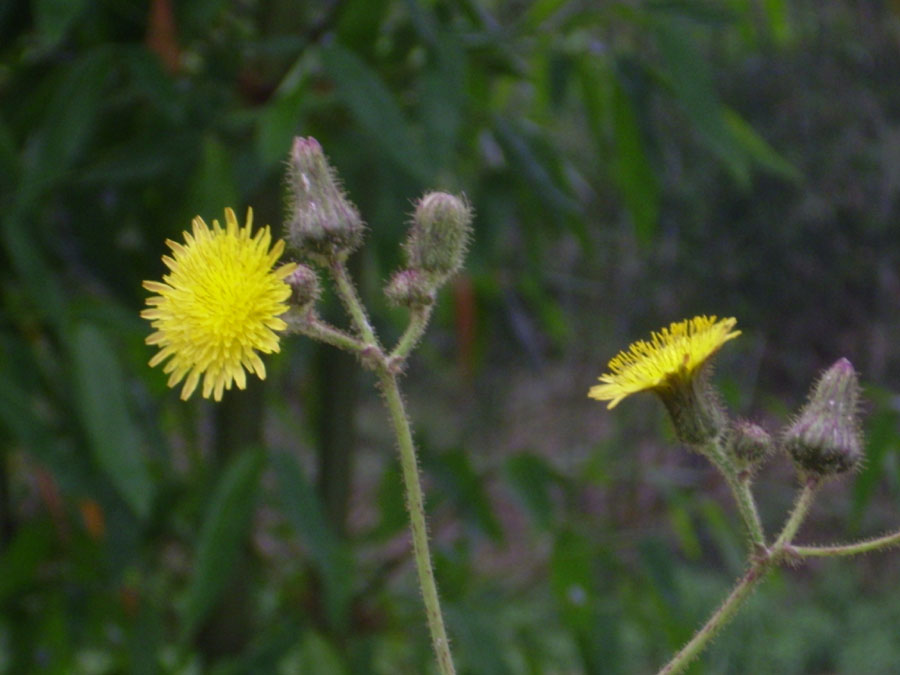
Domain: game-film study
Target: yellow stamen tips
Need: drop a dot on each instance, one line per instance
(676, 351)
(218, 306)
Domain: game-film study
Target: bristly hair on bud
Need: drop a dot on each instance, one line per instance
(321, 222)
(439, 234)
(748, 443)
(305, 289)
(825, 438)
(411, 289)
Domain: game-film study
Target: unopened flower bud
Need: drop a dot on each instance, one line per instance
(322, 222)
(439, 233)
(825, 438)
(304, 285)
(410, 288)
(748, 443)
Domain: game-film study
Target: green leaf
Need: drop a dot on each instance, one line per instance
(479, 638)
(332, 559)
(115, 440)
(758, 149)
(634, 176)
(69, 119)
(22, 558)
(391, 504)
(225, 530)
(454, 471)
(531, 166)
(213, 185)
(881, 439)
(359, 23)
(374, 107)
(318, 656)
(53, 18)
(9, 159)
(692, 84)
(779, 13)
(278, 124)
(531, 478)
(572, 580)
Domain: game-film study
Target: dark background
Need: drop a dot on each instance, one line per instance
(630, 164)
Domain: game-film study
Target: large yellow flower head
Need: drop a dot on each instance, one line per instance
(219, 305)
(674, 352)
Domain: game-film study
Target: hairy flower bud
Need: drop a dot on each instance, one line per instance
(304, 285)
(825, 438)
(748, 443)
(322, 222)
(410, 288)
(439, 233)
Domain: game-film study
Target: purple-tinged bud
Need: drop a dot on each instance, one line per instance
(825, 438)
(410, 288)
(322, 222)
(748, 443)
(439, 234)
(304, 283)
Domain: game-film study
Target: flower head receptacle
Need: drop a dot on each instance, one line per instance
(218, 306)
(672, 364)
(321, 222)
(825, 438)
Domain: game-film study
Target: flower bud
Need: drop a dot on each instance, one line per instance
(304, 285)
(748, 443)
(322, 222)
(410, 288)
(825, 439)
(440, 231)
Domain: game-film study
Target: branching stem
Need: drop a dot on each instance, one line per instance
(367, 345)
(866, 546)
(740, 488)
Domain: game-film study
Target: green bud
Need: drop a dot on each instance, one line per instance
(410, 288)
(825, 438)
(748, 443)
(322, 222)
(694, 406)
(439, 234)
(304, 285)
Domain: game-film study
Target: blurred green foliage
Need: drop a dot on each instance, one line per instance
(629, 162)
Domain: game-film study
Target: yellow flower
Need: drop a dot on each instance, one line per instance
(218, 306)
(673, 353)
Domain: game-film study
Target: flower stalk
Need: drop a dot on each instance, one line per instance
(823, 440)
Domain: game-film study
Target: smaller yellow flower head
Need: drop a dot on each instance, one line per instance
(676, 351)
(218, 306)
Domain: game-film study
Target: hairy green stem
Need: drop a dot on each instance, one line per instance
(416, 506)
(866, 546)
(418, 322)
(347, 293)
(801, 508)
(317, 329)
(717, 621)
(741, 491)
(760, 566)
(415, 502)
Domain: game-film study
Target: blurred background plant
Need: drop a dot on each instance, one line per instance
(629, 163)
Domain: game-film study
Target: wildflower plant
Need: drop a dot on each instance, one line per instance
(227, 299)
(824, 441)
